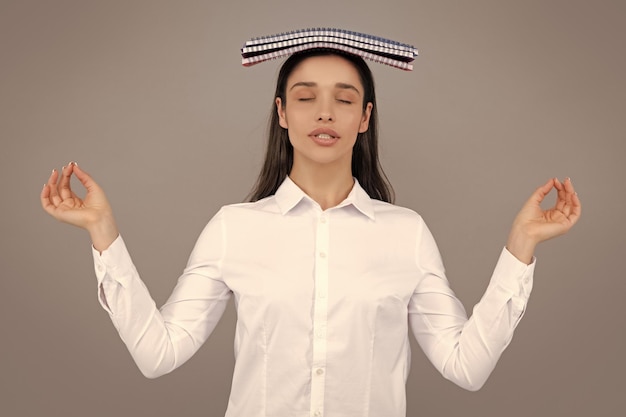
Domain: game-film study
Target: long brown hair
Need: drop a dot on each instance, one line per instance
(366, 167)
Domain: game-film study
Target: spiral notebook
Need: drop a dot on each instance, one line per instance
(373, 48)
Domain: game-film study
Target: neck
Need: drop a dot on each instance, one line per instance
(327, 185)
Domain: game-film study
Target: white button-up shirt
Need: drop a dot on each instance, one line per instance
(324, 300)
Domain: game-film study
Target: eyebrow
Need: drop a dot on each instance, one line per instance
(343, 86)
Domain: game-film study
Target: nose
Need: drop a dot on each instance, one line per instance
(325, 112)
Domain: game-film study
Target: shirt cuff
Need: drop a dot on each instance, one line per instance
(113, 263)
(514, 275)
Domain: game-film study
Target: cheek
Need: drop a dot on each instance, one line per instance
(355, 119)
(296, 118)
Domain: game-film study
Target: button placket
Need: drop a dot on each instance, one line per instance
(320, 310)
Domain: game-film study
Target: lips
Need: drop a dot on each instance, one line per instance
(324, 136)
(324, 133)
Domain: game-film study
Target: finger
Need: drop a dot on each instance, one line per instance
(558, 184)
(54, 191)
(84, 178)
(65, 190)
(561, 197)
(567, 192)
(569, 186)
(572, 197)
(46, 192)
(44, 197)
(572, 207)
(576, 209)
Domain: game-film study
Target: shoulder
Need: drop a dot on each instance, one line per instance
(390, 212)
(241, 211)
(244, 217)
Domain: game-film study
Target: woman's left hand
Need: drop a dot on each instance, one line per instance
(534, 224)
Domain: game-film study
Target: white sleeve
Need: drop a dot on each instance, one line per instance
(160, 340)
(464, 350)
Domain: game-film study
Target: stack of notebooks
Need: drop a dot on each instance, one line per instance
(370, 47)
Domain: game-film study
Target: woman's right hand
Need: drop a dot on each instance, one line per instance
(92, 213)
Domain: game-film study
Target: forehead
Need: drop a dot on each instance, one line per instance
(325, 70)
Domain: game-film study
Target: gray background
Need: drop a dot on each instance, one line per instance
(151, 99)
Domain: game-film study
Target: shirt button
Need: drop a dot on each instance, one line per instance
(323, 220)
(318, 413)
(319, 371)
(322, 255)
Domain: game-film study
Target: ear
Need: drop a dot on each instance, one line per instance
(282, 116)
(365, 120)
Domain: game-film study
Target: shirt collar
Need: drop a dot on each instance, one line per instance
(289, 195)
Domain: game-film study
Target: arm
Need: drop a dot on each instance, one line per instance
(158, 340)
(466, 350)
(161, 340)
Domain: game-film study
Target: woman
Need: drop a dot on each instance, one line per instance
(327, 275)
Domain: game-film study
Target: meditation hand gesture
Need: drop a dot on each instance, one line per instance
(92, 213)
(534, 225)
